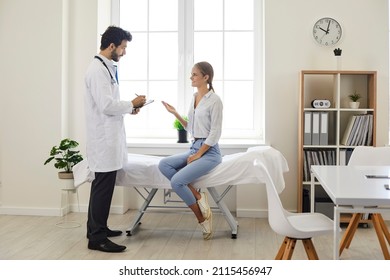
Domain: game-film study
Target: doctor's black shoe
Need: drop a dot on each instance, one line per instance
(113, 233)
(106, 246)
(110, 233)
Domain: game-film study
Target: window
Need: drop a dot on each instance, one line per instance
(169, 36)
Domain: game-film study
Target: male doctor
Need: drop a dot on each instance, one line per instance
(106, 139)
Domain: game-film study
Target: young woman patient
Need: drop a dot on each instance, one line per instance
(205, 125)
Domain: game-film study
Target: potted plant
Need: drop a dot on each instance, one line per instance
(65, 157)
(354, 103)
(182, 133)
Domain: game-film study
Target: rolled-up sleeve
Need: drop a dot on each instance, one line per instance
(215, 123)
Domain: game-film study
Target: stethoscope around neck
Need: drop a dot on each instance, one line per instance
(109, 72)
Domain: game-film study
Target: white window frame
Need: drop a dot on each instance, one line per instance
(256, 136)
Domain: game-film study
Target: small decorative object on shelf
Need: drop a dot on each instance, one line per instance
(337, 53)
(354, 103)
(182, 133)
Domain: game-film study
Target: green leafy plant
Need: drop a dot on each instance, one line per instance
(64, 155)
(177, 124)
(354, 97)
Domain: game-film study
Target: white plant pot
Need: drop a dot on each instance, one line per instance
(67, 184)
(66, 181)
(354, 105)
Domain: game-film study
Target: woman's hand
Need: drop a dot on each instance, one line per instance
(169, 107)
(192, 158)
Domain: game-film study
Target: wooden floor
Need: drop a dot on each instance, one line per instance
(163, 236)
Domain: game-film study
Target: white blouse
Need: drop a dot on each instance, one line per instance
(205, 121)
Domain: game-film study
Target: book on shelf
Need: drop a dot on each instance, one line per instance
(317, 157)
(348, 130)
(342, 157)
(370, 129)
(348, 155)
(353, 137)
(358, 131)
(345, 155)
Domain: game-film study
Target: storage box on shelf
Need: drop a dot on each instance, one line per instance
(327, 136)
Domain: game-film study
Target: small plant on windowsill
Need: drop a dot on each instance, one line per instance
(65, 157)
(354, 104)
(182, 133)
(177, 124)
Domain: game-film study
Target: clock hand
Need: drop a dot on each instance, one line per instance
(323, 36)
(326, 31)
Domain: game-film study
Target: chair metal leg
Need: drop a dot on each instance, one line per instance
(310, 249)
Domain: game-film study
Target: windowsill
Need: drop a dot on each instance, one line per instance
(163, 147)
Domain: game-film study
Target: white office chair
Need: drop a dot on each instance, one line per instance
(366, 156)
(294, 226)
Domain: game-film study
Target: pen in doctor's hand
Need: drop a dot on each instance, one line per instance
(144, 96)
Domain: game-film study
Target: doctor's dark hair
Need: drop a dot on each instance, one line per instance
(206, 69)
(115, 35)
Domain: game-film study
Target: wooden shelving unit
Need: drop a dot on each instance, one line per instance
(334, 86)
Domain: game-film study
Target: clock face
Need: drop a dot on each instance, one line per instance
(327, 31)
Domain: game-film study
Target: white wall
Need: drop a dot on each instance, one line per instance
(30, 101)
(31, 84)
(290, 48)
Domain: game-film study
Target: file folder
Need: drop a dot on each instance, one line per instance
(348, 130)
(324, 128)
(315, 135)
(343, 157)
(307, 131)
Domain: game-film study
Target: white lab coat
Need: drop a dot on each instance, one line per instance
(106, 138)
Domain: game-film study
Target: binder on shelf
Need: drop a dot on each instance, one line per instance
(324, 128)
(369, 136)
(358, 131)
(364, 131)
(352, 140)
(348, 130)
(307, 131)
(343, 157)
(348, 155)
(317, 156)
(315, 135)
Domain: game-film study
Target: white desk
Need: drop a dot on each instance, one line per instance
(352, 192)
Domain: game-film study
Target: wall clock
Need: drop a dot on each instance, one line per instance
(327, 31)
